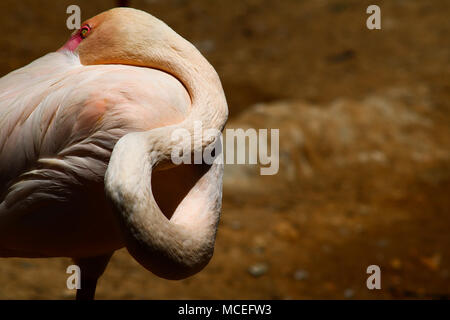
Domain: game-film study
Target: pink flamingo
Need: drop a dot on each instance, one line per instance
(85, 146)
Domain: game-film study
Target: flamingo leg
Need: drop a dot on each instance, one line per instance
(91, 270)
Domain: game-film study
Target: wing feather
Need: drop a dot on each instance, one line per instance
(59, 121)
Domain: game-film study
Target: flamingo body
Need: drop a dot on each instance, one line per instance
(59, 123)
(86, 144)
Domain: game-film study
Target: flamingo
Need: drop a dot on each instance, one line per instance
(85, 150)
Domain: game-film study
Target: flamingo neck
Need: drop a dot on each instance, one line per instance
(182, 246)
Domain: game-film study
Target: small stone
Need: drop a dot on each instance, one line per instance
(301, 275)
(258, 269)
(349, 293)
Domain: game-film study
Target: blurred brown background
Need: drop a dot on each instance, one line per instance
(364, 148)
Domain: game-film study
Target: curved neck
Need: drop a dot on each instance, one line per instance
(202, 82)
(182, 246)
(175, 248)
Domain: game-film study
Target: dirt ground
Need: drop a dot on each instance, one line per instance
(310, 234)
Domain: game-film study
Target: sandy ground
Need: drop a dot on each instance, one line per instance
(312, 233)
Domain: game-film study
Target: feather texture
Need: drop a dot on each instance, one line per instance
(59, 122)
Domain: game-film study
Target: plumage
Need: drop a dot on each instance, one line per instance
(61, 117)
(59, 127)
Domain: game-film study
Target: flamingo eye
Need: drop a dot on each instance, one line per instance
(84, 31)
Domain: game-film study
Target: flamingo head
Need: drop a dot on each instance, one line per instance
(125, 36)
